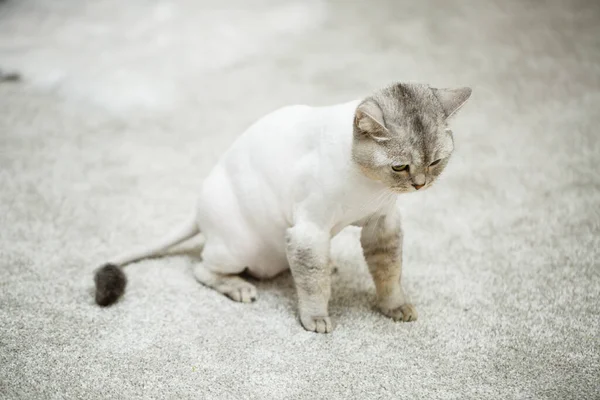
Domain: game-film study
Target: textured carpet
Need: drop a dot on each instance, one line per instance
(123, 108)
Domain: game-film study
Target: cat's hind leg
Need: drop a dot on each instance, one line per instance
(232, 286)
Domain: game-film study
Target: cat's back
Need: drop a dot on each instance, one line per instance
(277, 133)
(258, 160)
(293, 130)
(287, 144)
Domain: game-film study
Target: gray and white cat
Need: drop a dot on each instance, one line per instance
(295, 179)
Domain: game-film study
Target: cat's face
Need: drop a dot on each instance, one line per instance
(401, 136)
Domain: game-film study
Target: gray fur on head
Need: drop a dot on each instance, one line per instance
(406, 125)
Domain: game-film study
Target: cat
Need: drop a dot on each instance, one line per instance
(295, 179)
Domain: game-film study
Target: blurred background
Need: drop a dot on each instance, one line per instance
(123, 107)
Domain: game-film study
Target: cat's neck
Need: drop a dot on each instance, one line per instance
(338, 124)
(359, 199)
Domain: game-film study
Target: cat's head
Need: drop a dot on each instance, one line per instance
(401, 136)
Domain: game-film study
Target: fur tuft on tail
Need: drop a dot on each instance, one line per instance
(110, 284)
(110, 279)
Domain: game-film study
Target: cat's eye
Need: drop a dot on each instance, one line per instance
(436, 162)
(399, 167)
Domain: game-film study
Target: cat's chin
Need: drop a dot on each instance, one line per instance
(402, 190)
(409, 189)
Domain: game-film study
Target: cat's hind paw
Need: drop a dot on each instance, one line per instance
(243, 292)
(232, 286)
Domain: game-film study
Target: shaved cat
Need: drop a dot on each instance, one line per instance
(295, 179)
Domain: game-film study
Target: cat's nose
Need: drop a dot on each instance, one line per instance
(418, 186)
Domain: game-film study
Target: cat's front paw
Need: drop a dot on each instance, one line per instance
(405, 313)
(316, 324)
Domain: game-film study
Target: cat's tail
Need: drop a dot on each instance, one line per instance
(111, 280)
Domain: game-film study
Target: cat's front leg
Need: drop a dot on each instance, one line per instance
(308, 256)
(381, 240)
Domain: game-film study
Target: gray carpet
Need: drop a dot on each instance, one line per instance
(123, 108)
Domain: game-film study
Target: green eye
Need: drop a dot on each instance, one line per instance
(400, 167)
(436, 162)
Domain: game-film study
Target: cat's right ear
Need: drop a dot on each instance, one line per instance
(368, 121)
(452, 99)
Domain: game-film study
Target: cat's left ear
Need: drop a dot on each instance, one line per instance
(452, 99)
(368, 119)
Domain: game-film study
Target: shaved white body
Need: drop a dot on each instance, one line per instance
(297, 177)
(293, 164)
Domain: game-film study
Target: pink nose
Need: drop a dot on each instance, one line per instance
(418, 186)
